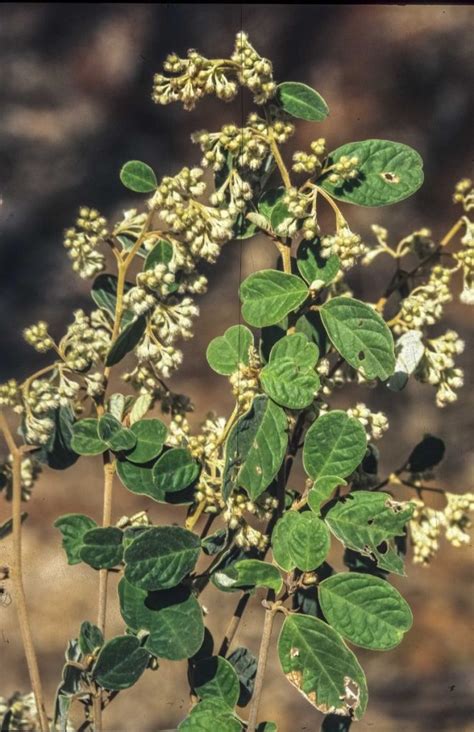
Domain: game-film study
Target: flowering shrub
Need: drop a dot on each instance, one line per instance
(244, 526)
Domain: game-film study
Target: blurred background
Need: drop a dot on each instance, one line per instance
(75, 105)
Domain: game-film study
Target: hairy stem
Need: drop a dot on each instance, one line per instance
(234, 624)
(262, 663)
(109, 470)
(17, 578)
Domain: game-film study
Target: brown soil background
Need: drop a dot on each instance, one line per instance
(74, 92)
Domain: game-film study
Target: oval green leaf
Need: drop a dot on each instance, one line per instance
(250, 573)
(301, 101)
(120, 663)
(73, 526)
(288, 384)
(150, 435)
(366, 610)
(115, 436)
(388, 172)
(225, 353)
(360, 335)
(267, 296)
(129, 337)
(102, 547)
(334, 445)
(138, 177)
(215, 678)
(85, 439)
(175, 470)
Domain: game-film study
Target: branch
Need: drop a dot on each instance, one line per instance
(17, 577)
(262, 662)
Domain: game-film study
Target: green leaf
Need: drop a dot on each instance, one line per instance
(289, 384)
(216, 542)
(114, 435)
(360, 335)
(367, 522)
(162, 253)
(322, 491)
(140, 408)
(120, 663)
(90, 638)
(267, 727)
(161, 557)
(312, 266)
(85, 439)
(150, 435)
(138, 177)
(245, 665)
(129, 337)
(102, 547)
(334, 446)
(388, 172)
(137, 478)
(426, 455)
(366, 610)
(300, 540)
(104, 294)
(301, 101)
(296, 347)
(215, 678)
(269, 200)
(175, 470)
(267, 296)
(57, 453)
(225, 353)
(250, 573)
(73, 526)
(255, 448)
(173, 619)
(316, 661)
(210, 714)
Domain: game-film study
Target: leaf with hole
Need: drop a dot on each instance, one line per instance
(138, 177)
(367, 522)
(120, 663)
(360, 335)
(315, 659)
(267, 296)
(102, 547)
(73, 526)
(388, 172)
(365, 610)
(225, 353)
(255, 448)
(215, 678)
(301, 101)
(150, 435)
(161, 557)
(334, 446)
(173, 619)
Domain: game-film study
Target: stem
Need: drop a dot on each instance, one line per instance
(262, 662)
(280, 163)
(17, 578)
(97, 710)
(234, 624)
(109, 470)
(339, 217)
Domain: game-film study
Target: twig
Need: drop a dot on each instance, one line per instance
(262, 663)
(234, 624)
(17, 577)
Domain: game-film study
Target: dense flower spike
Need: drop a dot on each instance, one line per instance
(348, 246)
(82, 242)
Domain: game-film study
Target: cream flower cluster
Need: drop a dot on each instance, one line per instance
(310, 162)
(374, 423)
(10, 394)
(87, 340)
(464, 194)
(466, 258)
(348, 246)
(437, 367)
(244, 381)
(37, 335)
(195, 76)
(425, 304)
(345, 169)
(82, 242)
(30, 471)
(427, 524)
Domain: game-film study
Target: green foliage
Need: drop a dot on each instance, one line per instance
(120, 663)
(174, 471)
(126, 341)
(90, 637)
(73, 527)
(249, 573)
(366, 610)
(360, 335)
(104, 294)
(304, 647)
(255, 448)
(267, 296)
(368, 522)
(289, 377)
(387, 171)
(138, 177)
(245, 665)
(102, 548)
(161, 557)
(300, 540)
(215, 678)
(225, 353)
(85, 438)
(150, 435)
(302, 102)
(210, 714)
(313, 267)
